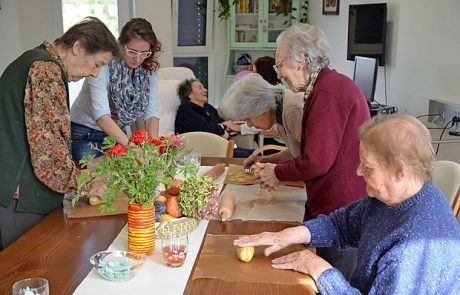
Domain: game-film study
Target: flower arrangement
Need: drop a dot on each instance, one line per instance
(136, 170)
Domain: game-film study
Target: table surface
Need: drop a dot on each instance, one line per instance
(215, 286)
(59, 249)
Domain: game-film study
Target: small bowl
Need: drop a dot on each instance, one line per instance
(117, 265)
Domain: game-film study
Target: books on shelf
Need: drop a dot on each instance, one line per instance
(247, 6)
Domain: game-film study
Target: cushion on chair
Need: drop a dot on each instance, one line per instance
(175, 73)
(168, 102)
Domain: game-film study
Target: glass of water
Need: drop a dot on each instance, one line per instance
(31, 286)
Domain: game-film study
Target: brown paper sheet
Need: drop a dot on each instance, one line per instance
(218, 261)
(255, 203)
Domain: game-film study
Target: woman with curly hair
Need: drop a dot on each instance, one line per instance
(124, 90)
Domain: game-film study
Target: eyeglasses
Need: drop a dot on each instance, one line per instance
(277, 66)
(134, 53)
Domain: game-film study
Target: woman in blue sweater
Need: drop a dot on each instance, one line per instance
(407, 238)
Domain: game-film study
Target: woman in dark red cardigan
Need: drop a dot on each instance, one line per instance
(334, 109)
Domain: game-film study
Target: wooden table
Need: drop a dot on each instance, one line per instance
(58, 249)
(215, 286)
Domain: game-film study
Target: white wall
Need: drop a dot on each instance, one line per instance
(25, 24)
(422, 50)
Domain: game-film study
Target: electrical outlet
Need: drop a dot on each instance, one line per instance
(447, 110)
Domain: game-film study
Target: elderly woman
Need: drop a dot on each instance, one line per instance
(37, 167)
(125, 90)
(263, 105)
(334, 109)
(407, 237)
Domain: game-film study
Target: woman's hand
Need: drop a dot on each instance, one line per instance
(302, 261)
(232, 126)
(266, 177)
(276, 240)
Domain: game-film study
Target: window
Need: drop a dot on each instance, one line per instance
(192, 36)
(74, 11)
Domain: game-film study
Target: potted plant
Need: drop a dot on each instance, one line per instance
(136, 170)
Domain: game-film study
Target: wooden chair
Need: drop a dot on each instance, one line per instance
(446, 176)
(209, 144)
(267, 147)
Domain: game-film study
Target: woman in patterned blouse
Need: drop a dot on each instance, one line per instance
(125, 90)
(406, 236)
(36, 163)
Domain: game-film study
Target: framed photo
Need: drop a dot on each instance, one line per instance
(331, 7)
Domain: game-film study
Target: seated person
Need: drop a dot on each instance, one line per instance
(195, 114)
(406, 236)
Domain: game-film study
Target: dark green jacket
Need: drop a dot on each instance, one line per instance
(15, 162)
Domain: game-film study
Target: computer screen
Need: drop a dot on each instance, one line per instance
(365, 75)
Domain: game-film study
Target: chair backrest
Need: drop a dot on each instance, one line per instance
(268, 147)
(175, 73)
(209, 144)
(446, 176)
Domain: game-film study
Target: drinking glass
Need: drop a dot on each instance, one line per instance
(31, 286)
(193, 159)
(174, 250)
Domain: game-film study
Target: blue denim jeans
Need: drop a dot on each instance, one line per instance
(83, 138)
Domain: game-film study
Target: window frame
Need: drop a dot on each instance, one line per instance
(190, 50)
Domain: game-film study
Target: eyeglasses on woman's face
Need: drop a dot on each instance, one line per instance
(134, 53)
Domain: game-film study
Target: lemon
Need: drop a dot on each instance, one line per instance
(164, 217)
(245, 253)
(160, 198)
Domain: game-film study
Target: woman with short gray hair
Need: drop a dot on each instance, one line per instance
(263, 105)
(334, 109)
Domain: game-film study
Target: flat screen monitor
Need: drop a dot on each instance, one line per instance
(367, 31)
(365, 76)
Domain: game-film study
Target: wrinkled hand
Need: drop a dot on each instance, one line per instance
(302, 261)
(276, 240)
(266, 177)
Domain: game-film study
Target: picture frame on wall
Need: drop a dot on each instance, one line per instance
(331, 7)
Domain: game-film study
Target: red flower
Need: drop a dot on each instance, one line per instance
(140, 136)
(162, 149)
(117, 150)
(155, 141)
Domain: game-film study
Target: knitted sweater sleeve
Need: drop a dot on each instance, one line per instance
(324, 127)
(342, 228)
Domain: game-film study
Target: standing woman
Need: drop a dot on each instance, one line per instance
(36, 164)
(329, 147)
(124, 90)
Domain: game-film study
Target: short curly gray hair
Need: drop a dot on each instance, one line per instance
(306, 40)
(249, 97)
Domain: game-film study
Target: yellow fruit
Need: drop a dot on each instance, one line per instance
(164, 217)
(245, 253)
(160, 198)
